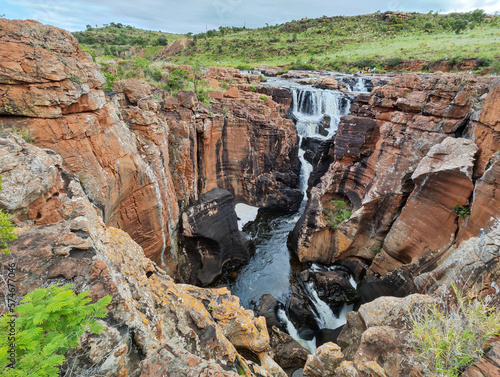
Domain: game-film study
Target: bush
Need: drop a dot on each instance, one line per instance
(391, 62)
(110, 80)
(303, 66)
(451, 336)
(495, 67)
(336, 212)
(362, 63)
(6, 229)
(263, 97)
(462, 211)
(50, 321)
(156, 75)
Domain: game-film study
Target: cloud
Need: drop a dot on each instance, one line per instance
(198, 15)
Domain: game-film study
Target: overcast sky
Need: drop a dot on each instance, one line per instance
(182, 16)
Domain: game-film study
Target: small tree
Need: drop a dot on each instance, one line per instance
(50, 321)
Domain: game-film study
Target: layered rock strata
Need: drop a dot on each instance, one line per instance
(153, 326)
(396, 160)
(141, 155)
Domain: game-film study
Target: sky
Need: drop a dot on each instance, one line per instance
(183, 16)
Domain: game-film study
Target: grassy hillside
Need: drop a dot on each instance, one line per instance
(116, 39)
(336, 43)
(350, 43)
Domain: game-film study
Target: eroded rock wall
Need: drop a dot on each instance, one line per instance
(399, 160)
(141, 155)
(153, 326)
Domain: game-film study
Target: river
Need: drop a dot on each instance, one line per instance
(272, 269)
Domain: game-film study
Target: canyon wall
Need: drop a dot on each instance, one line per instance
(408, 159)
(153, 326)
(142, 156)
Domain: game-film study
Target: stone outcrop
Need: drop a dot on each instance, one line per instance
(443, 180)
(174, 48)
(141, 155)
(48, 78)
(379, 332)
(252, 154)
(396, 162)
(153, 325)
(214, 226)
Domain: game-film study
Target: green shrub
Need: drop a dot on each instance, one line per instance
(156, 75)
(6, 229)
(495, 66)
(110, 80)
(391, 62)
(303, 66)
(50, 321)
(253, 89)
(336, 212)
(453, 335)
(244, 67)
(263, 97)
(462, 211)
(362, 63)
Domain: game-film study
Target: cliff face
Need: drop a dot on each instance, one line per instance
(153, 325)
(140, 157)
(397, 161)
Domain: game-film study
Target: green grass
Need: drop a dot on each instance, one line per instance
(340, 42)
(124, 40)
(451, 335)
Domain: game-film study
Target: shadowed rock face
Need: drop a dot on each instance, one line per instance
(396, 161)
(140, 159)
(213, 223)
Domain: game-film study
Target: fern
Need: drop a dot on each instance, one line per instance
(50, 321)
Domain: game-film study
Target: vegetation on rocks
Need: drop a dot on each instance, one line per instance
(450, 336)
(116, 39)
(162, 75)
(336, 212)
(6, 229)
(49, 322)
(462, 211)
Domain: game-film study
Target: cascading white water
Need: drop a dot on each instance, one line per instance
(359, 86)
(269, 272)
(292, 331)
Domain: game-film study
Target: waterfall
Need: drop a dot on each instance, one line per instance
(317, 114)
(359, 86)
(292, 331)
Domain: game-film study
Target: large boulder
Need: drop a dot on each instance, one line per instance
(45, 78)
(443, 181)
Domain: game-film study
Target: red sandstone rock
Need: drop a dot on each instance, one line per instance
(375, 153)
(428, 222)
(44, 79)
(232, 92)
(136, 90)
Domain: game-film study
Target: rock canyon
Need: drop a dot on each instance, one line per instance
(132, 194)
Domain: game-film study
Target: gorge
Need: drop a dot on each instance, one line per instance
(132, 194)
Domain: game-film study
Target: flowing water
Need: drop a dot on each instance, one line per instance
(270, 271)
